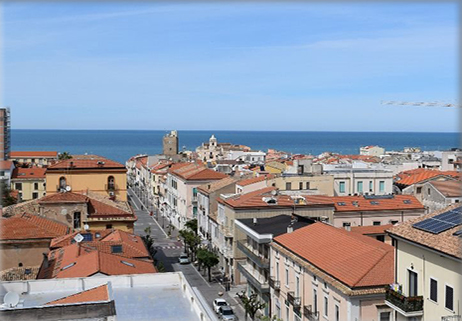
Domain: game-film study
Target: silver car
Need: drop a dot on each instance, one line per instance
(184, 259)
(226, 313)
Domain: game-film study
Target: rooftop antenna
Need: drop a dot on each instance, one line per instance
(11, 299)
(78, 238)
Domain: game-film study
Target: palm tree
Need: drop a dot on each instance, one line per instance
(64, 155)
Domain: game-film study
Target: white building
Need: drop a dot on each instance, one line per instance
(451, 160)
(372, 151)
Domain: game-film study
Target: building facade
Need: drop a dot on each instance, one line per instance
(29, 182)
(5, 133)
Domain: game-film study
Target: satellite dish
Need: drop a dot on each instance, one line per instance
(11, 299)
(64, 211)
(68, 188)
(78, 238)
(86, 227)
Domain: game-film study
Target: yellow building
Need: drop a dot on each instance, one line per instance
(29, 182)
(428, 276)
(38, 158)
(88, 172)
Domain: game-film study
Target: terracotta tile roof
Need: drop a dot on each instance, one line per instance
(67, 197)
(28, 226)
(5, 165)
(97, 208)
(448, 188)
(29, 173)
(86, 162)
(82, 261)
(216, 185)
(420, 175)
(372, 229)
(32, 154)
(193, 171)
(398, 202)
(353, 259)
(252, 180)
(256, 199)
(100, 293)
(444, 242)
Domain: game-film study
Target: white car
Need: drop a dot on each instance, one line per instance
(218, 303)
(184, 259)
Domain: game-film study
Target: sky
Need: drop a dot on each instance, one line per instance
(230, 66)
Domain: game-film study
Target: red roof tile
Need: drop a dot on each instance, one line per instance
(252, 180)
(419, 175)
(67, 197)
(372, 229)
(448, 188)
(86, 162)
(398, 202)
(5, 165)
(353, 259)
(29, 173)
(192, 171)
(28, 226)
(100, 293)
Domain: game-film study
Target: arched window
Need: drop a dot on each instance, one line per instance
(62, 183)
(76, 220)
(110, 183)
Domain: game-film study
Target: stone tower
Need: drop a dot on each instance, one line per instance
(170, 143)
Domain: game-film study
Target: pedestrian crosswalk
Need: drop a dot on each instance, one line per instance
(170, 247)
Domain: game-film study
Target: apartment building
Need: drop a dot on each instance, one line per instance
(351, 180)
(320, 272)
(88, 172)
(411, 182)
(370, 210)
(258, 235)
(428, 277)
(34, 158)
(29, 182)
(451, 160)
(5, 133)
(436, 195)
(372, 151)
(183, 179)
(259, 204)
(6, 170)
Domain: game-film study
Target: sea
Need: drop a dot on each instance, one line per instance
(120, 145)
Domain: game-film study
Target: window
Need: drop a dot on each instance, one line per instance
(326, 306)
(287, 313)
(449, 303)
(382, 186)
(394, 222)
(300, 185)
(109, 226)
(346, 225)
(419, 190)
(360, 187)
(380, 238)
(18, 186)
(433, 290)
(337, 313)
(34, 195)
(370, 186)
(76, 219)
(287, 276)
(307, 185)
(412, 283)
(277, 271)
(116, 248)
(297, 286)
(315, 279)
(278, 312)
(288, 186)
(376, 223)
(36, 186)
(62, 182)
(341, 187)
(429, 191)
(194, 192)
(385, 316)
(110, 183)
(315, 300)
(194, 211)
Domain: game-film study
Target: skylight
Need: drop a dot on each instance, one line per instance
(341, 203)
(68, 266)
(407, 201)
(374, 203)
(128, 263)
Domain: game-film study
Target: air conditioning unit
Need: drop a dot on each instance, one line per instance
(111, 193)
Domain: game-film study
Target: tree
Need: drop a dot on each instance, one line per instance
(160, 267)
(7, 199)
(191, 241)
(251, 304)
(64, 155)
(207, 259)
(149, 241)
(192, 225)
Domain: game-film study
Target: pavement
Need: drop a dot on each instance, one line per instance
(168, 251)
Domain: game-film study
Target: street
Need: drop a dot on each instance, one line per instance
(168, 251)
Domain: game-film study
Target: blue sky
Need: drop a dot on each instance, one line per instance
(242, 66)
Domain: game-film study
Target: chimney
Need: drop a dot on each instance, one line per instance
(290, 228)
(348, 228)
(254, 221)
(45, 260)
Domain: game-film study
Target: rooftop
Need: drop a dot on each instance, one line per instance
(29, 227)
(363, 203)
(217, 185)
(449, 188)
(79, 162)
(252, 180)
(371, 229)
(353, 259)
(5, 165)
(420, 175)
(445, 242)
(32, 154)
(276, 225)
(28, 173)
(194, 171)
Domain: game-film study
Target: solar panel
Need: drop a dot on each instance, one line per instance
(441, 222)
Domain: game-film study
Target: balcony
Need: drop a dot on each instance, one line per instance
(275, 284)
(310, 314)
(253, 277)
(253, 255)
(110, 187)
(194, 198)
(295, 301)
(407, 306)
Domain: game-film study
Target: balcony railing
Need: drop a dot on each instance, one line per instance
(275, 284)
(251, 254)
(310, 314)
(257, 281)
(408, 306)
(295, 301)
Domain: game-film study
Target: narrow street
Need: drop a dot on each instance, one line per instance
(168, 251)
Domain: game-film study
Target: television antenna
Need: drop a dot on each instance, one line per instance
(11, 299)
(78, 238)
(421, 103)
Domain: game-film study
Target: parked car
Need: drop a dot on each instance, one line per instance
(218, 303)
(227, 314)
(184, 259)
